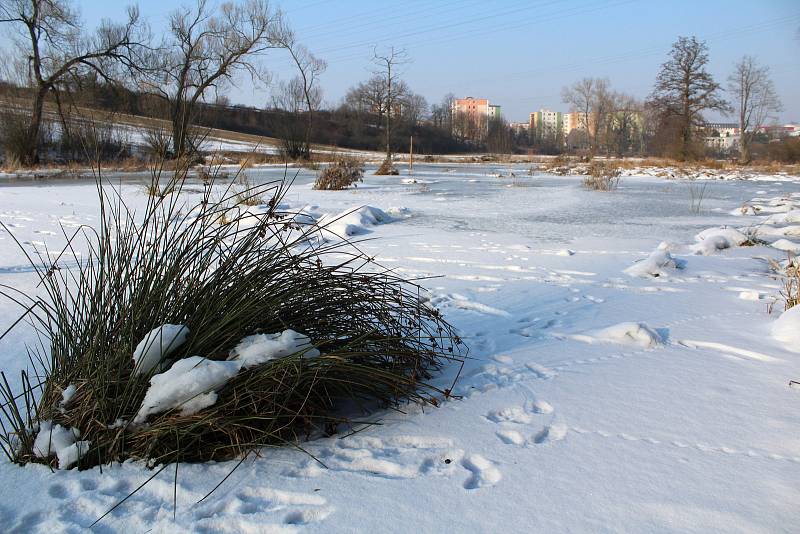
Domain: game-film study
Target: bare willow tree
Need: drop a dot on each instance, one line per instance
(48, 35)
(387, 69)
(205, 49)
(684, 90)
(755, 99)
(301, 93)
(592, 100)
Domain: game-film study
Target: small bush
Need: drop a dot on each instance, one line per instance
(387, 169)
(341, 174)
(603, 176)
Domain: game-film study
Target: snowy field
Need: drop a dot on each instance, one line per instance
(616, 384)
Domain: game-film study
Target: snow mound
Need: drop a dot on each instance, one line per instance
(352, 222)
(787, 329)
(189, 385)
(157, 345)
(788, 217)
(261, 348)
(713, 239)
(788, 246)
(63, 442)
(636, 334)
(656, 264)
(399, 212)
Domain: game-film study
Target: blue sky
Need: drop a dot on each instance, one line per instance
(519, 54)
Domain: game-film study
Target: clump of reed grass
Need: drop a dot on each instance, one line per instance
(263, 272)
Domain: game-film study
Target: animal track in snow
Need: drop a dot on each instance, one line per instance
(464, 303)
(396, 457)
(685, 444)
(554, 432)
(491, 376)
(484, 473)
(727, 350)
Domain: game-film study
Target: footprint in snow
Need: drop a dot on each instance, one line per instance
(483, 472)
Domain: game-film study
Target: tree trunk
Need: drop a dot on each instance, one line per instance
(30, 152)
(744, 150)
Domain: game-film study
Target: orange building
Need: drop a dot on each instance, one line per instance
(474, 107)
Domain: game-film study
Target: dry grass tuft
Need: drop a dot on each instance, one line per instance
(260, 272)
(603, 176)
(791, 283)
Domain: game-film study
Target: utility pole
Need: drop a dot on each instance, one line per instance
(411, 157)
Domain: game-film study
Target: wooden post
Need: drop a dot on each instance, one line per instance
(411, 156)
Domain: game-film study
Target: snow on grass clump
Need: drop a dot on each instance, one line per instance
(658, 263)
(713, 239)
(787, 329)
(352, 222)
(261, 348)
(157, 345)
(62, 442)
(189, 385)
(630, 333)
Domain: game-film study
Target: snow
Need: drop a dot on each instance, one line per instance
(550, 432)
(787, 329)
(658, 263)
(352, 222)
(68, 394)
(261, 348)
(62, 442)
(634, 334)
(189, 385)
(714, 239)
(157, 345)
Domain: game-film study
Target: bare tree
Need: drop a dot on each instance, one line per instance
(684, 90)
(290, 101)
(48, 34)
(755, 98)
(388, 64)
(623, 126)
(591, 99)
(205, 50)
(309, 68)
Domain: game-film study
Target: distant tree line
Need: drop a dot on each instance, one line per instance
(61, 71)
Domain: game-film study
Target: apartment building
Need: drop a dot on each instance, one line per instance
(547, 122)
(474, 107)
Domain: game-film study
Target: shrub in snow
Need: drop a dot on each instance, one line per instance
(603, 176)
(387, 168)
(284, 335)
(341, 174)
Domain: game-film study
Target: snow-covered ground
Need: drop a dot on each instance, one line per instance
(598, 398)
